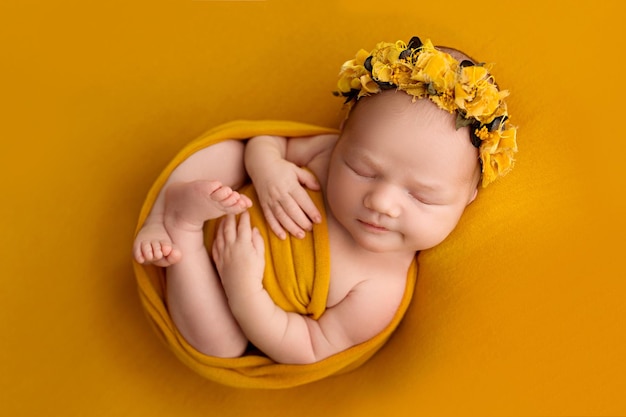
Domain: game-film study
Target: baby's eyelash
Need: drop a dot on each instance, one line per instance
(360, 172)
(422, 200)
(365, 175)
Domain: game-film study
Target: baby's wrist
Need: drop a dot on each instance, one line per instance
(241, 302)
(242, 286)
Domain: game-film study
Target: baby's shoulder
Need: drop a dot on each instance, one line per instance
(312, 152)
(302, 150)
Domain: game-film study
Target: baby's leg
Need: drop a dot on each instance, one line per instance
(221, 162)
(199, 189)
(196, 299)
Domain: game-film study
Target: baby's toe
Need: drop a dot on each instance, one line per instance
(138, 255)
(156, 250)
(146, 251)
(246, 201)
(166, 248)
(222, 193)
(174, 256)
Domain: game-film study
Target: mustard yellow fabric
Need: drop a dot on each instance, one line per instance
(519, 312)
(297, 277)
(297, 271)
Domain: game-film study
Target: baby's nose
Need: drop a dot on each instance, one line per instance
(383, 199)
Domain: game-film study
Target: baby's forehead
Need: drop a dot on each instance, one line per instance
(394, 110)
(412, 135)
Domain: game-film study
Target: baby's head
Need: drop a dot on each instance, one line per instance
(401, 173)
(414, 149)
(448, 78)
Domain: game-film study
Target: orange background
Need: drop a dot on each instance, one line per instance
(519, 312)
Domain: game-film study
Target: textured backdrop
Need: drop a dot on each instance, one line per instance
(519, 312)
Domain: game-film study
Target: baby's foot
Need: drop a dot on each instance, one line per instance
(189, 205)
(153, 245)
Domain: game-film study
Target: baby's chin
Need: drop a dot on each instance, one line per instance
(377, 246)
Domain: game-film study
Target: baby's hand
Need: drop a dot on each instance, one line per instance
(239, 254)
(285, 202)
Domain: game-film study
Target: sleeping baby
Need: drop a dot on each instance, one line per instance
(426, 127)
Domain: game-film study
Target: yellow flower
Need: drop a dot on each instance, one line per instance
(497, 152)
(344, 85)
(445, 101)
(441, 72)
(417, 90)
(382, 72)
(401, 74)
(474, 75)
(484, 103)
(361, 56)
(368, 85)
(351, 71)
(428, 72)
(386, 53)
(477, 94)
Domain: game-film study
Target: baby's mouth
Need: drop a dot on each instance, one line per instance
(373, 226)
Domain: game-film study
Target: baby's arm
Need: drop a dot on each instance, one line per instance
(290, 337)
(275, 164)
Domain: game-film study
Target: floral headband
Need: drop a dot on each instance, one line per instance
(463, 87)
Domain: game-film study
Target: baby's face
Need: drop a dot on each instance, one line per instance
(401, 174)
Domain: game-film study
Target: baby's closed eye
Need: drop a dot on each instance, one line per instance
(361, 170)
(427, 198)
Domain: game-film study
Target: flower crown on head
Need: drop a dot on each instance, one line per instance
(421, 70)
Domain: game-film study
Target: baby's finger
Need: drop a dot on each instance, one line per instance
(220, 229)
(307, 205)
(308, 179)
(216, 250)
(218, 242)
(229, 224)
(287, 222)
(296, 215)
(257, 242)
(244, 229)
(273, 223)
